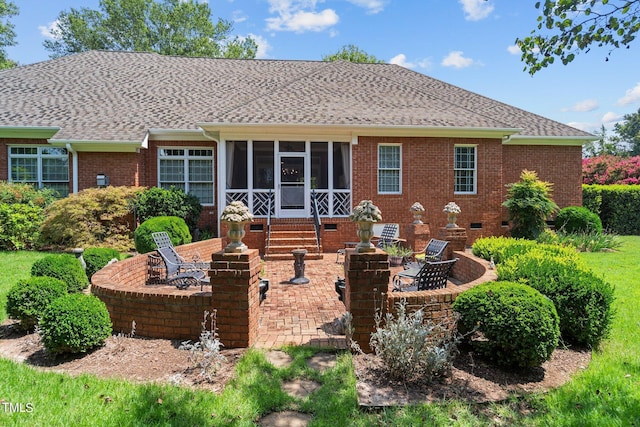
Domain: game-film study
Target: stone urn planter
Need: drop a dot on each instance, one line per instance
(452, 210)
(417, 210)
(365, 215)
(236, 215)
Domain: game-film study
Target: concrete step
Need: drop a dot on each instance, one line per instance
(289, 256)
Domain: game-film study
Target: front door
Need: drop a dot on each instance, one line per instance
(292, 201)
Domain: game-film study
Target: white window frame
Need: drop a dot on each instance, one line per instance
(39, 156)
(185, 157)
(474, 170)
(399, 169)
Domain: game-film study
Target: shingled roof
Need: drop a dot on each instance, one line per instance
(119, 96)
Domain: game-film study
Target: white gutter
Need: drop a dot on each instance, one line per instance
(74, 167)
(28, 132)
(549, 140)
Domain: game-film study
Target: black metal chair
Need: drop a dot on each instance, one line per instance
(387, 237)
(434, 251)
(432, 275)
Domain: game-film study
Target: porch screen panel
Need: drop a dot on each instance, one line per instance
(237, 165)
(263, 160)
(320, 165)
(341, 166)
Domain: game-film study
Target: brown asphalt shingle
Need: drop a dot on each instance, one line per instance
(118, 96)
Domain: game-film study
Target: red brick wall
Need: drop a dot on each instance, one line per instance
(561, 166)
(427, 177)
(159, 311)
(121, 168)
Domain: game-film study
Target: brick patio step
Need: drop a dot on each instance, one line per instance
(284, 239)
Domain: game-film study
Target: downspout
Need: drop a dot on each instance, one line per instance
(74, 167)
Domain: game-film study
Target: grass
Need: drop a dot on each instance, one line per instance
(607, 393)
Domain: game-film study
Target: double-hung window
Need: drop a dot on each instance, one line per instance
(190, 169)
(389, 167)
(465, 169)
(42, 166)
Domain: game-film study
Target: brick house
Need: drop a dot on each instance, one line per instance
(273, 130)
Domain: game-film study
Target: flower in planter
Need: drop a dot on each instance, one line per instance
(236, 212)
(416, 208)
(366, 211)
(451, 208)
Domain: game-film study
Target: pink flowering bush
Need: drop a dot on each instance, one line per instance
(608, 169)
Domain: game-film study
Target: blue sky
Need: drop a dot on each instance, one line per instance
(468, 43)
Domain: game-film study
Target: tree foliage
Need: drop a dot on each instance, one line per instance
(568, 27)
(168, 27)
(606, 145)
(352, 53)
(628, 131)
(7, 33)
(609, 170)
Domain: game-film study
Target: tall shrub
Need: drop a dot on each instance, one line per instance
(157, 201)
(21, 214)
(529, 204)
(95, 217)
(618, 206)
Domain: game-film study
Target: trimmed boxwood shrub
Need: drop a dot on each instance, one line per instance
(583, 300)
(576, 219)
(97, 258)
(28, 298)
(75, 323)
(503, 248)
(519, 325)
(174, 226)
(65, 267)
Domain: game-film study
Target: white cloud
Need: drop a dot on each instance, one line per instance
(238, 16)
(514, 49)
(586, 126)
(372, 6)
(49, 30)
(583, 106)
(401, 60)
(299, 16)
(631, 96)
(425, 63)
(263, 46)
(475, 10)
(456, 59)
(611, 117)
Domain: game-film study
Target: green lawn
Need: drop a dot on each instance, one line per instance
(605, 394)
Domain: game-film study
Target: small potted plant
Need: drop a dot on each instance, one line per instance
(365, 215)
(397, 254)
(236, 214)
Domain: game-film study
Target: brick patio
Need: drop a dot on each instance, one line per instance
(301, 314)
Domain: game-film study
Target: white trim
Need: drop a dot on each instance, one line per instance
(28, 132)
(554, 140)
(101, 146)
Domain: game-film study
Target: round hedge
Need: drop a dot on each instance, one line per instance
(577, 219)
(28, 298)
(519, 325)
(65, 267)
(174, 226)
(583, 300)
(75, 323)
(97, 258)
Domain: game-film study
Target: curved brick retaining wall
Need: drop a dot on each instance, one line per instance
(159, 311)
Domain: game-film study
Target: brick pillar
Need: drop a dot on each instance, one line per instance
(457, 238)
(418, 236)
(235, 295)
(367, 285)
